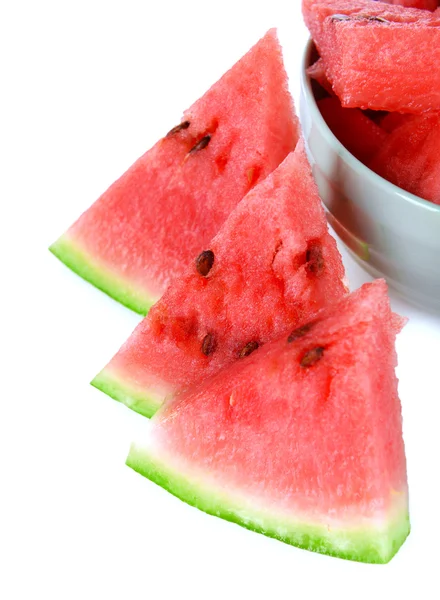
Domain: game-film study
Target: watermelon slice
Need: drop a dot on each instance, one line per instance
(410, 157)
(302, 441)
(272, 265)
(357, 132)
(377, 55)
(145, 228)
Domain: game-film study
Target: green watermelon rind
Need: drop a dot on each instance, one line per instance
(142, 403)
(81, 263)
(363, 544)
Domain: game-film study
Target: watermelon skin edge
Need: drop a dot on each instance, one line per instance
(364, 544)
(69, 253)
(146, 405)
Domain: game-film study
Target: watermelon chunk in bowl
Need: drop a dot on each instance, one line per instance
(357, 132)
(317, 72)
(392, 233)
(272, 265)
(301, 441)
(144, 229)
(377, 55)
(410, 156)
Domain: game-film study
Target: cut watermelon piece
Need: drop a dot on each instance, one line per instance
(357, 132)
(392, 121)
(410, 158)
(317, 72)
(377, 55)
(272, 265)
(422, 4)
(145, 228)
(302, 441)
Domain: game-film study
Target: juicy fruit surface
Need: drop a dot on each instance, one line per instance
(146, 227)
(357, 132)
(423, 4)
(301, 444)
(274, 265)
(410, 157)
(392, 121)
(377, 55)
(317, 72)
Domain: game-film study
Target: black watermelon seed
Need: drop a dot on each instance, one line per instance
(312, 356)
(300, 332)
(208, 344)
(177, 128)
(248, 349)
(201, 144)
(204, 262)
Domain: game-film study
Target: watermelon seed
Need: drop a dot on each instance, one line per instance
(372, 18)
(253, 175)
(201, 144)
(248, 349)
(208, 344)
(340, 18)
(312, 356)
(299, 333)
(314, 258)
(358, 17)
(204, 262)
(177, 128)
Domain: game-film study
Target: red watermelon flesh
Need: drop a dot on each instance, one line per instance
(377, 55)
(423, 4)
(357, 132)
(410, 158)
(301, 441)
(272, 265)
(145, 228)
(317, 72)
(392, 121)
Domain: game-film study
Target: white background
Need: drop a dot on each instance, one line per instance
(85, 89)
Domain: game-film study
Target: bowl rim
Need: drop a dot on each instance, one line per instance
(355, 163)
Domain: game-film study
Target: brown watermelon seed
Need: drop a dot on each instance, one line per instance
(312, 356)
(248, 349)
(177, 128)
(204, 262)
(208, 344)
(300, 332)
(201, 144)
(314, 258)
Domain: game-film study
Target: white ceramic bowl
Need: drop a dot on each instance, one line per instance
(390, 232)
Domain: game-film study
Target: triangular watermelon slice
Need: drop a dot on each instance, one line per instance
(272, 265)
(145, 228)
(301, 441)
